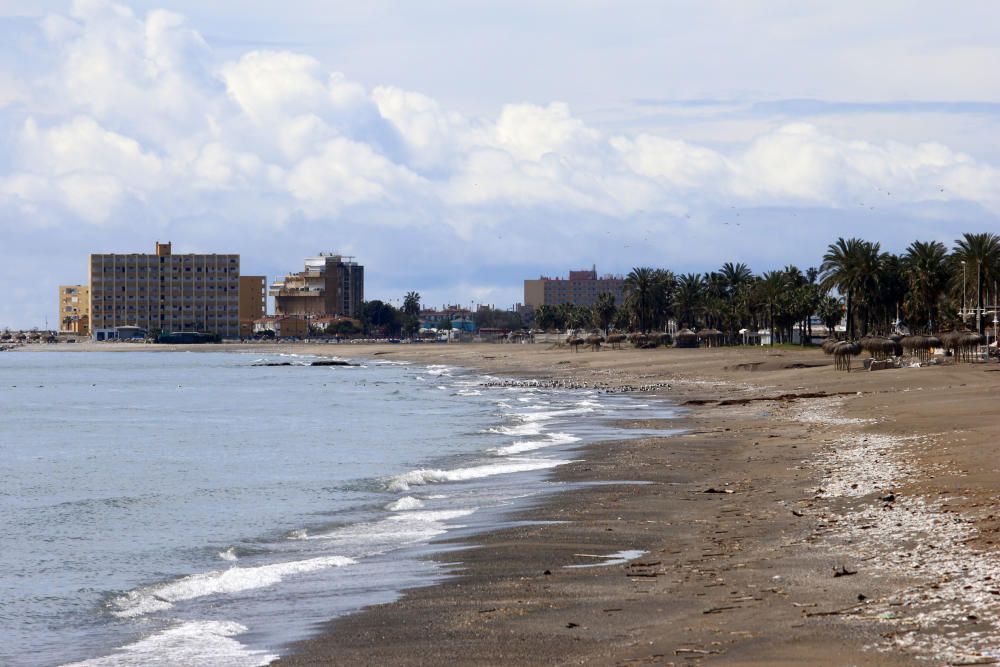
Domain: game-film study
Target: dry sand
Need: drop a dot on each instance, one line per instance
(853, 528)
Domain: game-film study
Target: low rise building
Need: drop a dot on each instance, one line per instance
(281, 326)
(253, 302)
(74, 309)
(329, 285)
(581, 288)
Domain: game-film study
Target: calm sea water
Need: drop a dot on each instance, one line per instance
(196, 509)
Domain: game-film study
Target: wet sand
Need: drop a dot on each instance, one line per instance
(805, 517)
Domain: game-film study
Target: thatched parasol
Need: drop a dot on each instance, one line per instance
(594, 340)
(843, 352)
(615, 340)
(686, 338)
(879, 347)
(712, 337)
(575, 342)
(918, 346)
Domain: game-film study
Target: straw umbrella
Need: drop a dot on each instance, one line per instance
(686, 338)
(843, 352)
(711, 337)
(575, 342)
(615, 340)
(594, 340)
(917, 346)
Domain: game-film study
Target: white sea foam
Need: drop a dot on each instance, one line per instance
(518, 429)
(228, 555)
(425, 476)
(405, 503)
(530, 445)
(392, 532)
(193, 644)
(436, 369)
(163, 596)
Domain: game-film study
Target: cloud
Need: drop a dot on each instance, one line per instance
(135, 123)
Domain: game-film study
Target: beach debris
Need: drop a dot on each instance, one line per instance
(842, 571)
(571, 624)
(797, 513)
(890, 498)
(719, 610)
(712, 489)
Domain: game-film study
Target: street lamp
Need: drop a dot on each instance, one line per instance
(979, 302)
(963, 292)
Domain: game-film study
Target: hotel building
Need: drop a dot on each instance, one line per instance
(74, 309)
(164, 292)
(581, 289)
(330, 285)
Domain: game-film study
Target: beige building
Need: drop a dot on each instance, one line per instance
(74, 309)
(282, 326)
(253, 302)
(330, 285)
(581, 289)
(164, 292)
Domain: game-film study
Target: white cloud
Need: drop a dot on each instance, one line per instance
(135, 118)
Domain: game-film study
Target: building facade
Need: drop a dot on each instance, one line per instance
(253, 302)
(282, 326)
(330, 285)
(165, 292)
(74, 309)
(581, 288)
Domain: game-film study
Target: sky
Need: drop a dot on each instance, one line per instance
(456, 148)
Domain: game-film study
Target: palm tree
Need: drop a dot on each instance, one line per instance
(925, 269)
(771, 288)
(981, 251)
(411, 303)
(852, 267)
(604, 311)
(689, 300)
(640, 286)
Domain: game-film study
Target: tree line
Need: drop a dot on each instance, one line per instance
(928, 287)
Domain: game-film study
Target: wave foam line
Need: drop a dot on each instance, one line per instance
(163, 596)
(424, 476)
(531, 445)
(194, 644)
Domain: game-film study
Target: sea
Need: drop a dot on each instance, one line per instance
(202, 508)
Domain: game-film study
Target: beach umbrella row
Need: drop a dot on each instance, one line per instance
(962, 344)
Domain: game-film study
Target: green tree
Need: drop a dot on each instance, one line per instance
(852, 267)
(689, 299)
(925, 267)
(604, 311)
(411, 303)
(640, 295)
(980, 254)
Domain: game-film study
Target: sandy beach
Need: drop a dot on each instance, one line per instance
(804, 517)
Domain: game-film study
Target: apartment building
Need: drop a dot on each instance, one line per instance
(253, 302)
(164, 292)
(74, 309)
(330, 285)
(581, 288)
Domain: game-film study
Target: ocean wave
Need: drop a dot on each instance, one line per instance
(392, 532)
(405, 503)
(228, 555)
(425, 476)
(193, 644)
(531, 445)
(163, 596)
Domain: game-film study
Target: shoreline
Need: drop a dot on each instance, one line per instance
(742, 578)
